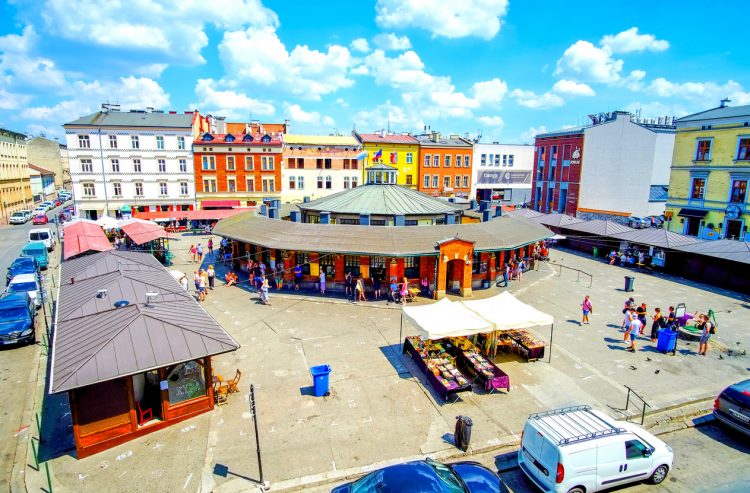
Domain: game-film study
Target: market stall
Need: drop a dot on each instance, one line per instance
(472, 363)
(438, 365)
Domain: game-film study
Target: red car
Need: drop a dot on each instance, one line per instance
(40, 219)
(58, 202)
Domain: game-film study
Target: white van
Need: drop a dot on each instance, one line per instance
(45, 235)
(577, 450)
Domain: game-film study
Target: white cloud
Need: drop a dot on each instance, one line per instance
(257, 57)
(572, 88)
(490, 91)
(152, 70)
(360, 44)
(388, 114)
(229, 103)
(655, 109)
(392, 42)
(446, 18)
(528, 136)
(703, 92)
(342, 102)
(12, 101)
(297, 116)
(491, 121)
(175, 30)
(21, 69)
(583, 61)
(530, 99)
(630, 41)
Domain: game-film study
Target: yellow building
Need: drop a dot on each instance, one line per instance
(708, 194)
(15, 184)
(398, 150)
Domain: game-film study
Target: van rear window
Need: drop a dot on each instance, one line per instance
(39, 236)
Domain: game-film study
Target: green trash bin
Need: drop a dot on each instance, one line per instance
(596, 252)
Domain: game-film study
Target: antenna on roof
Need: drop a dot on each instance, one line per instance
(150, 297)
(724, 102)
(101, 293)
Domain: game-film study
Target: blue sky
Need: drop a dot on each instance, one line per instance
(508, 67)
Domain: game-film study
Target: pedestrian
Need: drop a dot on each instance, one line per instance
(359, 288)
(184, 283)
(635, 328)
(264, 297)
(199, 251)
(297, 277)
(393, 291)
(231, 279)
(193, 252)
(642, 313)
(521, 266)
(210, 246)
(204, 277)
(671, 319)
(376, 285)
(587, 308)
(196, 279)
(279, 278)
(707, 329)
(349, 286)
(117, 242)
(507, 274)
(262, 267)
(258, 276)
(629, 317)
(659, 323)
(211, 277)
(201, 288)
(322, 281)
(404, 291)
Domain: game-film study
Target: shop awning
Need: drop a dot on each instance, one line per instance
(220, 203)
(506, 312)
(83, 236)
(142, 231)
(445, 319)
(692, 213)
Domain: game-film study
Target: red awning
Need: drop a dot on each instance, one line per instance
(83, 236)
(143, 231)
(220, 203)
(202, 215)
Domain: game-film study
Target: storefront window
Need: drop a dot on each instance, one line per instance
(477, 265)
(326, 264)
(351, 264)
(303, 259)
(411, 267)
(187, 381)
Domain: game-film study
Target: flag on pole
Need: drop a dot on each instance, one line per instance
(377, 155)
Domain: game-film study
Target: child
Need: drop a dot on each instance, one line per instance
(587, 308)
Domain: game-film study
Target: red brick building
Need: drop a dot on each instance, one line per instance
(557, 171)
(237, 169)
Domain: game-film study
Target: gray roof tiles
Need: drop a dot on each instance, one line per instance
(556, 219)
(717, 113)
(657, 237)
(599, 227)
(135, 119)
(733, 250)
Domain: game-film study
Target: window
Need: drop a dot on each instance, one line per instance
(162, 188)
(739, 191)
(268, 185)
(300, 183)
(183, 188)
(435, 181)
(483, 161)
(231, 184)
(635, 449)
(162, 165)
(459, 159)
(117, 189)
(477, 265)
(320, 182)
(187, 381)
(497, 159)
(377, 222)
(84, 142)
(209, 163)
(138, 189)
(699, 187)
(303, 259)
(181, 143)
(409, 158)
(505, 159)
(346, 182)
(446, 182)
(183, 165)
(411, 267)
(327, 163)
(134, 143)
(249, 185)
(743, 149)
(266, 163)
(136, 165)
(319, 163)
(88, 190)
(209, 185)
(458, 181)
(86, 166)
(409, 180)
(328, 182)
(351, 265)
(292, 183)
(249, 163)
(447, 161)
(291, 163)
(510, 159)
(466, 181)
(160, 142)
(230, 163)
(703, 152)
(354, 182)
(355, 164)
(426, 181)
(113, 141)
(427, 161)
(436, 161)
(115, 165)
(467, 161)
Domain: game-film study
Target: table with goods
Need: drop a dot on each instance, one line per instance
(438, 365)
(471, 362)
(525, 344)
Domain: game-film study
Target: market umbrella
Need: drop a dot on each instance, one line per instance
(108, 222)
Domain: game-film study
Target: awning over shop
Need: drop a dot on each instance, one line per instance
(142, 231)
(83, 236)
(220, 203)
(445, 319)
(202, 215)
(692, 213)
(506, 312)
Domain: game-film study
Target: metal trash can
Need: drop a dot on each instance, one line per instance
(320, 380)
(485, 284)
(629, 283)
(667, 341)
(596, 252)
(462, 436)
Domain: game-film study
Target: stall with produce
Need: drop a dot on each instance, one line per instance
(438, 365)
(472, 363)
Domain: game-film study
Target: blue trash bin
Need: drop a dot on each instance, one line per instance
(320, 379)
(666, 341)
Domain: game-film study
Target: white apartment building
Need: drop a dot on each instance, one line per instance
(502, 173)
(137, 160)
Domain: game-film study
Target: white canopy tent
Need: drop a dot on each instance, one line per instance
(446, 319)
(506, 312)
(108, 222)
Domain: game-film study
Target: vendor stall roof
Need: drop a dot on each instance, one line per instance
(556, 219)
(599, 227)
(734, 250)
(501, 233)
(657, 237)
(83, 236)
(445, 319)
(142, 231)
(94, 341)
(506, 312)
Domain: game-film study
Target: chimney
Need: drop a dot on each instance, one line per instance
(382, 133)
(296, 216)
(486, 215)
(263, 210)
(325, 218)
(436, 136)
(399, 220)
(450, 219)
(364, 219)
(221, 124)
(273, 213)
(484, 205)
(498, 210)
(305, 199)
(724, 102)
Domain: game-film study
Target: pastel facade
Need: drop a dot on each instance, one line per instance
(445, 165)
(502, 173)
(42, 183)
(15, 186)
(398, 150)
(49, 154)
(710, 173)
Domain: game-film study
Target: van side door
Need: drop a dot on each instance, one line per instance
(639, 461)
(610, 463)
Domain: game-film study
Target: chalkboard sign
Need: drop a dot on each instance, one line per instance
(186, 382)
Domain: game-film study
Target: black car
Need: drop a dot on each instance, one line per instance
(732, 407)
(426, 476)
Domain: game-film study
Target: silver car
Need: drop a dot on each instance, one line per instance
(638, 222)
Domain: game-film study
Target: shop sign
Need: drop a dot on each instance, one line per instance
(732, 212)
(575, 158)
(504, 177)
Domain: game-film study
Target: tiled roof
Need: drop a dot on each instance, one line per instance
(443, 141)
(658, 193)
(83, 236)
(95, 342)
(657, 237)
(239, 140)
(502, 233)
(736, 251)
(321, 140)
(43, 171)
(377, 199)
(717, 113)
(556, 219)
(135, 119)
(387, 139)
(598, 227)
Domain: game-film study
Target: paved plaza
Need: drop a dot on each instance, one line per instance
(381, 409)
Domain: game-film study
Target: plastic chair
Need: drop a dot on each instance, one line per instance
(143, 414)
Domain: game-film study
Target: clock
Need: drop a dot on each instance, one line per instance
(732, 212)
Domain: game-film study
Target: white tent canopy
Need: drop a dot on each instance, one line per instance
(506, 312)
(108, 222)
(446, 319)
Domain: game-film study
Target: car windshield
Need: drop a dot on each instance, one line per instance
(17, 214)
(19, 287)
(22, 262)
(38, 236)
(15, 313)
(446, 474)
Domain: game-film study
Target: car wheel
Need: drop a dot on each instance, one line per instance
(659, 475)
(577, 489)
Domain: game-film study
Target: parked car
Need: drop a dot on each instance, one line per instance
(578, 449)
(654, 221)
(638, 222)
(48, 205)
(37, 250)
(21, 265)
(40, 209)
(29, 284)
(732, 407)
(426, 476)
(44, 235)
(18, 217)
(40, 219)
(57, 202)
(16, 319)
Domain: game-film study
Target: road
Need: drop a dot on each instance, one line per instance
(16, 363)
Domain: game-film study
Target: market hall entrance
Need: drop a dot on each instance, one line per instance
(454, 267)
(455, 276)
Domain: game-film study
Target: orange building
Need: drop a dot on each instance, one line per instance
(445, 165)
(238, 169)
